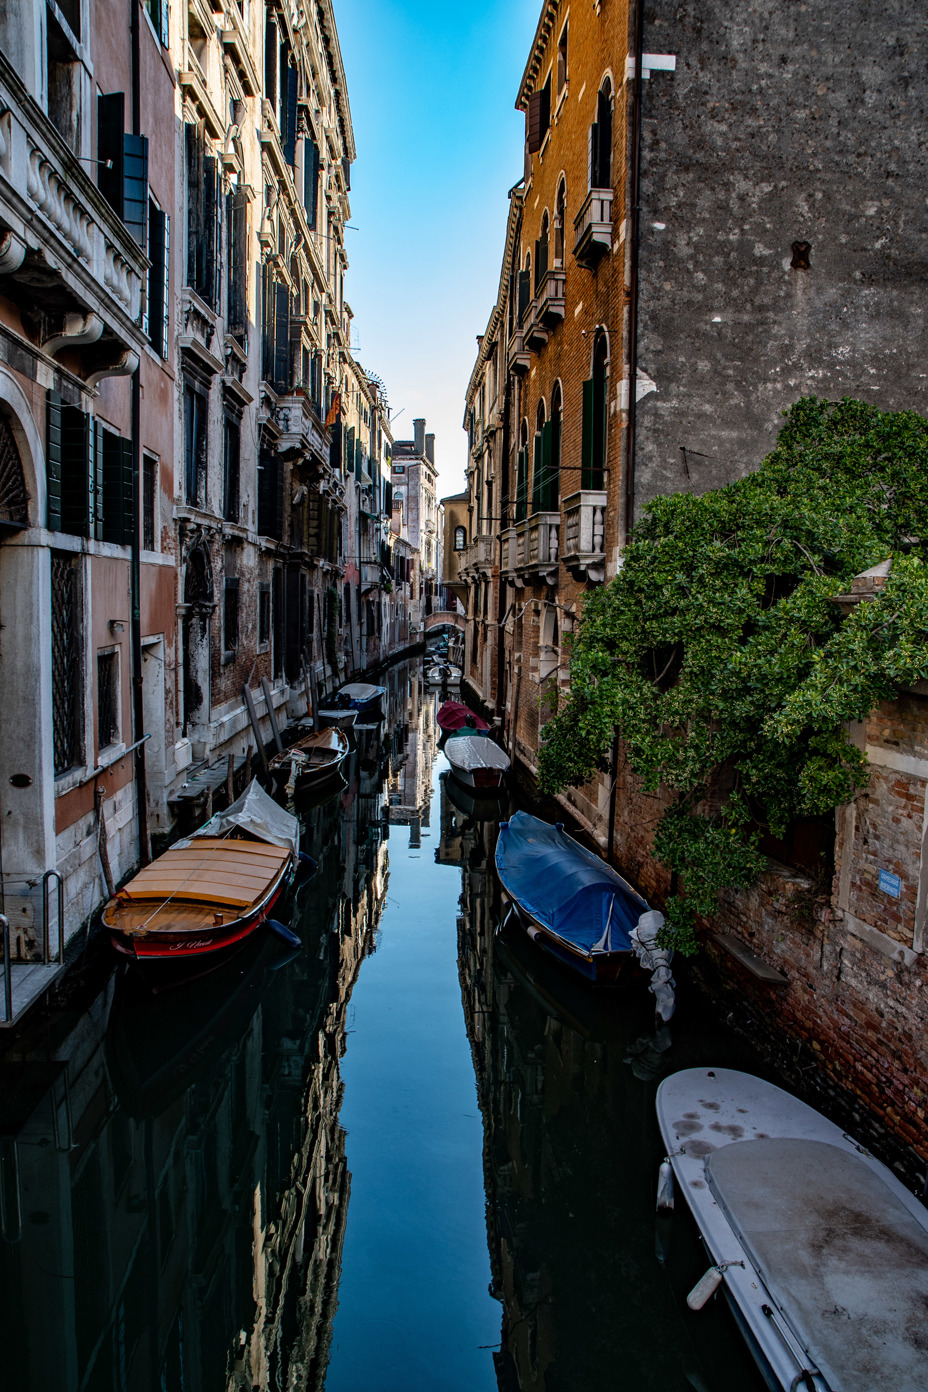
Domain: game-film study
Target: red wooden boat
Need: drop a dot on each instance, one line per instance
(210, 890)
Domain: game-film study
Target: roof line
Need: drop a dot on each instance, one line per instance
(546, 19)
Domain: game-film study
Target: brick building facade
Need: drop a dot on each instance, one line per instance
(723, 215)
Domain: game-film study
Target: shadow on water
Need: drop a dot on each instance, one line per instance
(175, 1170)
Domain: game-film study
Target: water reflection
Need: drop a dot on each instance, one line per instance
(175, 1173)
(566, 1079)
(174, 1186)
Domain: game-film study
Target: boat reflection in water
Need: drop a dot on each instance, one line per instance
(566, 1078)
(174, 1184)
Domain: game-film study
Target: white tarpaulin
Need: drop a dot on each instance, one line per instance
(656, 960)
(475, 752)
(257, 813)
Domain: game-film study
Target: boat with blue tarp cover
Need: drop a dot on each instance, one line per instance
(577, 908)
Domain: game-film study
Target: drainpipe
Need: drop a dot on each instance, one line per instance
(138, 716)
(634, 244)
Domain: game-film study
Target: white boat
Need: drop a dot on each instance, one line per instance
(476, 761)
(443, 674)
(820, 1249)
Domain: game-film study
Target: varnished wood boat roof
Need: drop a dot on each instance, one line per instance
(209, 870)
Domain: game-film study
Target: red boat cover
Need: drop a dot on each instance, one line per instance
(453, 715)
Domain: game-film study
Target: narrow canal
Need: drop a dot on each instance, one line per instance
(409, 1156)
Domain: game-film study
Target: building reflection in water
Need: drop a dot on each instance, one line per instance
(173, 1187)
(566, 1079)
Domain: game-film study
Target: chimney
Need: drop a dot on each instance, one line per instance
(430, 448)
(419, 428)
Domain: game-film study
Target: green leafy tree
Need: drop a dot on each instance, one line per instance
(720, 655)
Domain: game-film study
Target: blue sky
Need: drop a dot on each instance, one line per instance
(432, 89)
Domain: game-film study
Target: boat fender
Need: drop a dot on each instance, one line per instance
(707, 1285)
(665, 1187)
(306, 866)
(282, 931)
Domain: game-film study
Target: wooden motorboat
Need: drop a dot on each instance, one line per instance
(443, 674)
(311, 761)
(338, 718)
(454, 718)
(577, 908)
(210, 890)
(363, 697)
(477, 762)
(821, 1251)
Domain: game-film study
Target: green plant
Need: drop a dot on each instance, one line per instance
(719, 654)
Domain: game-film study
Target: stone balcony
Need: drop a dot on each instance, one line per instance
(593, 227)
(549, 302)
(509, 539)
(539, 545)
(66, 259)
(518, 357)
(302, 434)
(485, 551)
(584, 533)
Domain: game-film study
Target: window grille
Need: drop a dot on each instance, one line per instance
(107, 699)
(149, 487)
(66, 666)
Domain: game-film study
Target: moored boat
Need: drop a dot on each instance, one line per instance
(477, 762)
(821, 1251)
(363, 697)
(577, 908)
(339, 718)
(210, 890)
(311, 761)
(443, 674)
(454, 718)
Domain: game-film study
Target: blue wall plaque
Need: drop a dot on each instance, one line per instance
(890, 884)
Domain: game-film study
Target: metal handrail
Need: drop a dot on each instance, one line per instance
(46, 879)
(7, 970)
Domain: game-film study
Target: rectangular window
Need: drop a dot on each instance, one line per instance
(66, 661)
(195, 443)
(69, 468)
(115, 493)
(122, 165)
(264, 615)
(237, 262)
(562, 61)
(310, 179)
(230, 617)
(107, 699)
(522, 485)
(159, 281)
(270, 496)
(158, 13)
(231, 453)
(149, 502)
(202, 216)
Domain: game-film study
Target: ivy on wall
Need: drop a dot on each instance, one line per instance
(720, 656)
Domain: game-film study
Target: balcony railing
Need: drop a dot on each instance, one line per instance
(540, 543)
(593, 227)
(585, 532)
(549, 302)
(510, 547)
(301, 432)
(518, 357)
(58, 232)
(484, 553)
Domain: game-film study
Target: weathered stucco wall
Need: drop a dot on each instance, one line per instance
(781, 124)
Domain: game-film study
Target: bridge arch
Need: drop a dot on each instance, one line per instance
(444, 618)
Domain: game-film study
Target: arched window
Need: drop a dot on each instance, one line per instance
(541, 252)
(595, 415)
(460, 538)
(554, 468)
(525, 287)
(522, 474)
(538, 460)
(560, 213)
(601, 140)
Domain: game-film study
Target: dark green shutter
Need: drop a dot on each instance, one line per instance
(358, 460)
(209, 276)
(109, 456)
(281, 338)
(388, 498)
(525, 292)
(158, 237)
(521, 484)
(593, 156)
(536, 472)
(111, 120)
(53, 405)
(290, 135)
(196, 195)
(310, 179)
(270, 59)
(95, 489)
(237, 213)
(554, 464)
(135, 187)
(586, 446)
(547, 488)
(128, 492)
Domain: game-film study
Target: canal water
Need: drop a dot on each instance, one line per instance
(410, 1156)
